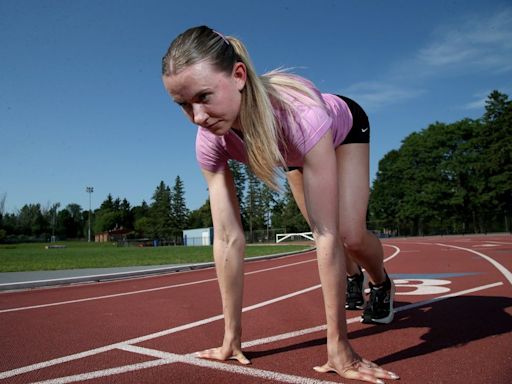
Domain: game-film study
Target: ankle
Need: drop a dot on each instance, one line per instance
(385, 283)
(356, 274)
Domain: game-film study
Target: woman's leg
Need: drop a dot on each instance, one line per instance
(353, 187)
(364, 247)
(296, 182)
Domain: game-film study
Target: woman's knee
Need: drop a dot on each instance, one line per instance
(354, 241)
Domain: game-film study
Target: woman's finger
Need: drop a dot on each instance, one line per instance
(241, 358)
(219, 354)
(364, 370)
(325, 368)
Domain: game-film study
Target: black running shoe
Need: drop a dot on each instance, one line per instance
(354, 296)
(380, 305)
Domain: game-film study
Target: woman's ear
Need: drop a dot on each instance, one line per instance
(240, 75)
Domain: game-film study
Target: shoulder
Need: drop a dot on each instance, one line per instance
(206, 141)
(210, 150)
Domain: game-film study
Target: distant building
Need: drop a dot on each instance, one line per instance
(198, 236)
(117, 234)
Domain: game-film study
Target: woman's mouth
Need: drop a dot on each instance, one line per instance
(210, 126)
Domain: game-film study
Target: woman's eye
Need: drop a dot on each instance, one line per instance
(204, 97)
(184, 106)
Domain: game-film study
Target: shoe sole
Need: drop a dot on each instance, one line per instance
(389, 318)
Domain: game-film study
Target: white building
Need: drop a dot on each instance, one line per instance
(198, 236)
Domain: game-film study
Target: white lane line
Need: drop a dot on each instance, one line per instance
(106, 372)
(397, 251)
(244, 370)
(497, 265)
(143, 290)
(279, 267)
(448, 296)
(164, 358)
(395, 254)
(105, 296)
(169, 358)
(141, 339)
(60, 360)
(320, 328)
(287, 335)
(500, 242)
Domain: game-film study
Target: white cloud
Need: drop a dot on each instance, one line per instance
(471, 44)
(475, 43)
(477, 104)
(375, 95)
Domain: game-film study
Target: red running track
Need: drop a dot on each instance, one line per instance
(453, 322)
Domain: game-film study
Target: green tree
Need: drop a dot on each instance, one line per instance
(140, 211)
(497, 148)
(162, 225)
(106, 220)
(239, 172)
(51, 218)
(201, 217)
(179, 209)
(251, 203)
(108, 204)
(144, 226)
(126, 214)
(31, 221)
(386, 196)
(141, 219)
(286, 213)
(69, 222)
(448, 177)
(10, 224)
(268, 198)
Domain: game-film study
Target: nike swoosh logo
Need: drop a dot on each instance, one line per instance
(364, 130)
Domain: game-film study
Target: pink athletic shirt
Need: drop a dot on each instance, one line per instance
(213, 152)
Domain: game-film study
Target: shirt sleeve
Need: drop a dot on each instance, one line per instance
(209, 152)
(317, 122)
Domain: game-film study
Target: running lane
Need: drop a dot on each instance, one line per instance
(453, 304)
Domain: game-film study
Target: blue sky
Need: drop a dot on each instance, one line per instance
(82, 104)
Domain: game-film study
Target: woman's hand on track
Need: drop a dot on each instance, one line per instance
(224, 354)
(363, 370)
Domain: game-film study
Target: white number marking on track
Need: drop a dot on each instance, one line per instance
(422, 286)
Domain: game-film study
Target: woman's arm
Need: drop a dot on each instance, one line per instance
(228, 252)
(321, 198)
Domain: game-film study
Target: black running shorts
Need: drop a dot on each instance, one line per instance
(360, 131)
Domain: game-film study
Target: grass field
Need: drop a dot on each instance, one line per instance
(77, 254)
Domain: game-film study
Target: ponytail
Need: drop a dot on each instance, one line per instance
(259, 123)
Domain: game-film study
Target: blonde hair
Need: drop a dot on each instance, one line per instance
(266, 100)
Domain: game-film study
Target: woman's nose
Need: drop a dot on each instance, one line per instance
(200, 116)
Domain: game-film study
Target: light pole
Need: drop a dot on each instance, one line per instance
(89, 190)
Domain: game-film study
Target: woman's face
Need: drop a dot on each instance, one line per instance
(208, 97)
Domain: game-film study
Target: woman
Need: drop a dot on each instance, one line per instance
(273, 121)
